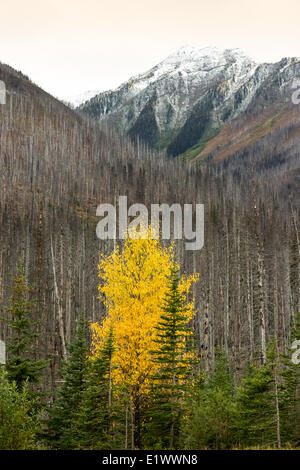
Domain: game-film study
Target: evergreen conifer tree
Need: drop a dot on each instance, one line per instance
(98, 421)
(61, 425)
(21, 366)
(210, 423)
(258, 404)
(175, 358)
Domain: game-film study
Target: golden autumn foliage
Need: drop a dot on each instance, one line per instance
(133, 283)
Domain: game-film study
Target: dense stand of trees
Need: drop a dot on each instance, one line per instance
(56, 167)
(136, 387)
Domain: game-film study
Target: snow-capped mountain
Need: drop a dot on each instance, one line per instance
(81, 98)
(185, 100)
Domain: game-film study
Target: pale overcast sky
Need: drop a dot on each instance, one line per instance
(71, 46)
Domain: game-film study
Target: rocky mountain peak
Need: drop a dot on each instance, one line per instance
(186, 99)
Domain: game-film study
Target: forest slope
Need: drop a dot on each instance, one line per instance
(57, 166)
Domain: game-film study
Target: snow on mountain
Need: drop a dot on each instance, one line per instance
(189, 61)
(77, 100)
(190, 94)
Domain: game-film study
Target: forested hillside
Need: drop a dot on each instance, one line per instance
(56, 166)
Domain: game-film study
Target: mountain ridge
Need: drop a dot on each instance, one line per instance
(185, 100)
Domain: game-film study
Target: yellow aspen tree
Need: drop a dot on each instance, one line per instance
(133, 283)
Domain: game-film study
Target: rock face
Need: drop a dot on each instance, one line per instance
(183, 102)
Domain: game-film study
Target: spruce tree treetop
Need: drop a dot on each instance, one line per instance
(175, 357)
(99, 418)
(61, 431)
(290, 390)
(21, 366)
